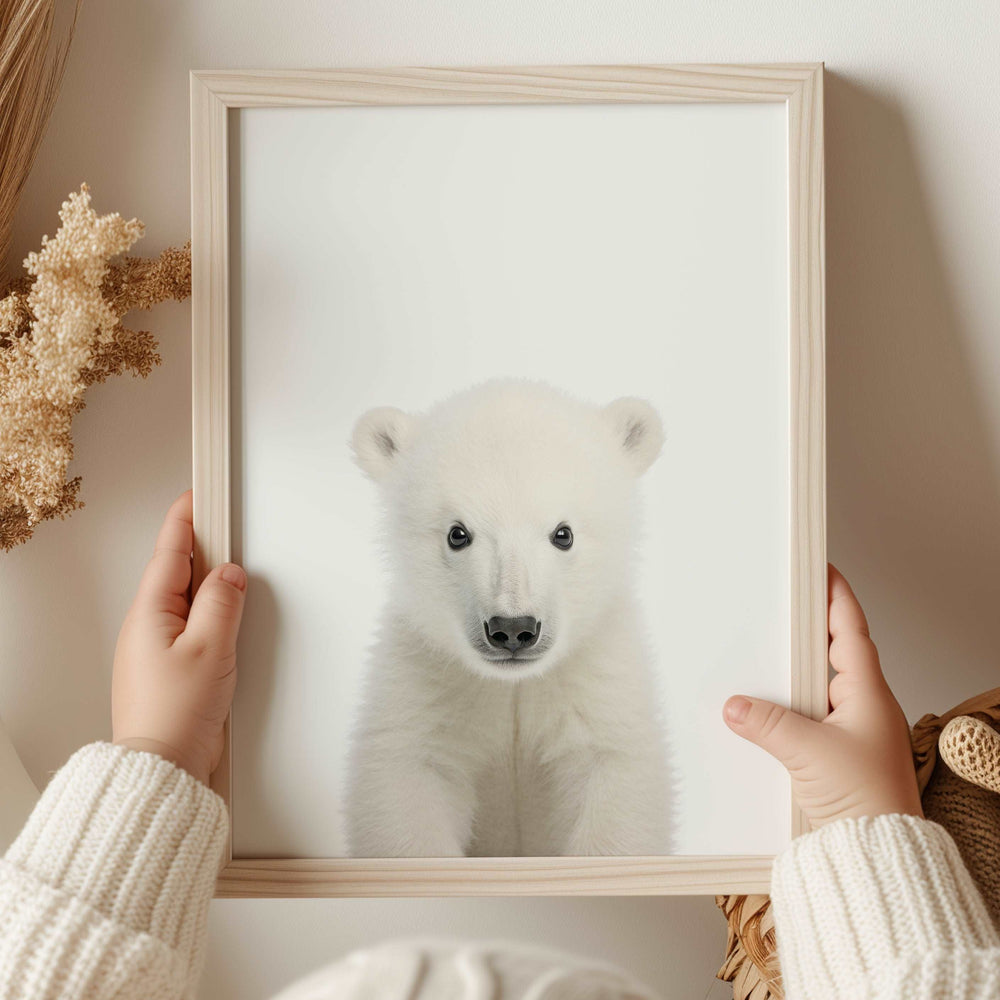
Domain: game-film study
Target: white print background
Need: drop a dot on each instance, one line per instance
(387, 256)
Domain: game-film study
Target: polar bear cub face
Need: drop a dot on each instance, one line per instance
(510, 520)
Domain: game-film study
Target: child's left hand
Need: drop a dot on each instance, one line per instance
(857, 761)
(175, 663)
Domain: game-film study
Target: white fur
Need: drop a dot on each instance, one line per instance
(454, 754)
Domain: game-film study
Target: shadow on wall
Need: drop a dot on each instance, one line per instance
(914, 499)
(65, 593)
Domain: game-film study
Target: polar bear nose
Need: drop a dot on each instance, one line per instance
(512, 633)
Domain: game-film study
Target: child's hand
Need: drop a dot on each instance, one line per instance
(175, 672)
(857, 761)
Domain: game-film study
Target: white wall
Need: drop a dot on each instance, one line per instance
(913, 254)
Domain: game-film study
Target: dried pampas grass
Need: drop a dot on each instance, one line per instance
(30, 76)
(60, 332)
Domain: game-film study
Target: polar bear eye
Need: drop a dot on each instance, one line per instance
(458, 537)
(562, 537)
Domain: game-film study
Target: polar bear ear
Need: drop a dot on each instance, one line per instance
(638, 428)
(378, 438)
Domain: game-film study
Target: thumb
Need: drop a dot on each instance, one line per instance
(217, 608)
(779, 731)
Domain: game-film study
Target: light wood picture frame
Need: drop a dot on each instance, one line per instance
(218, 95)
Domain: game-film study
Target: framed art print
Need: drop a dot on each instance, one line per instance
(508, 395)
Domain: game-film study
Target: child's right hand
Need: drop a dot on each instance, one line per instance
(857, 761)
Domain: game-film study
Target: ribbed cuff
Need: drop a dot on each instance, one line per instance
(860, 896)
(130, 835)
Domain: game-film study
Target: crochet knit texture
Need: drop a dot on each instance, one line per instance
(971, 748)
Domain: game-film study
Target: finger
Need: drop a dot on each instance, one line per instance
(217, 609)
(846, 614)
(780, 731)
(852, 653)
(164, 584)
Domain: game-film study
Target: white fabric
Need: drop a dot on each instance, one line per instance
(104, 895)
(106, 889)
(878, 909)
(438, 969)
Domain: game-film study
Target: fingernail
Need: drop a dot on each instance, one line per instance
(736, 709)
(234, 574)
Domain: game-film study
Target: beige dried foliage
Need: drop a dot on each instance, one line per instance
(60, 332)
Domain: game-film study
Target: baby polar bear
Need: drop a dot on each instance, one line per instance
(509, 709)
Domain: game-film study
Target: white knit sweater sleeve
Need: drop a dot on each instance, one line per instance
(882, 908)
(106, 890)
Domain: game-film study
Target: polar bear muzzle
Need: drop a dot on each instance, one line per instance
(512, 634)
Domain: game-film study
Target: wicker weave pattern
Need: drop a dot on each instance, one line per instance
(751, 963)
